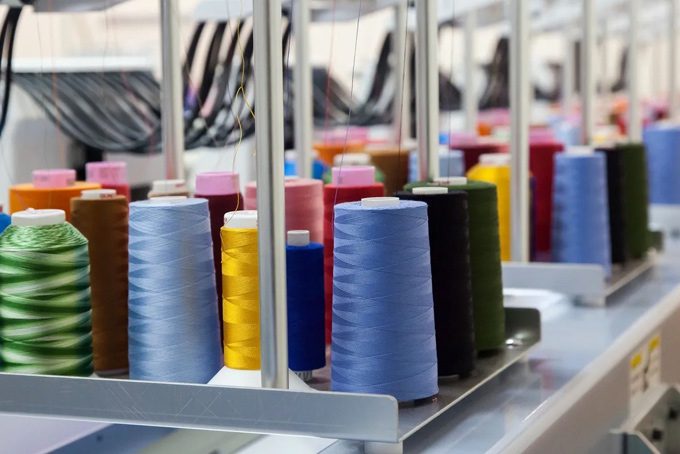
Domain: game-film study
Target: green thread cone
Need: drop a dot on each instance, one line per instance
(45, 325)
(485, 262)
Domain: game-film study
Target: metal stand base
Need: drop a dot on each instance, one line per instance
(252, 379)
(586, 284)
(667, 219)
(522, 331)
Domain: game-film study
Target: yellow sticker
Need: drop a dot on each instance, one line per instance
(654, 343)
(635, 361)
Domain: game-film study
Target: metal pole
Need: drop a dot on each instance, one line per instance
(304, 118)
(634, 119)
(470, 92)
(568, 76)
(270, 190)
(588, 85)
(172, 104)
(400, 127)
(604, 65)
(519, 124)
(673, 59)
(427, 88)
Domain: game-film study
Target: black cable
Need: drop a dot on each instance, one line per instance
(8, 27)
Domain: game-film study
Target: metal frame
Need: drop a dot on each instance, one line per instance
(593, 287)
(304, 118)
(519, 124)
(172, 104)
(673, 57)
(470, 101)
(588, 71)
(634, 118)
(400, 125)
(320, 413)
(427, 88)
(270, 193)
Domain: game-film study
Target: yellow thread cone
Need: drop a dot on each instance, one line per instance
(500, 176)
(240, 298)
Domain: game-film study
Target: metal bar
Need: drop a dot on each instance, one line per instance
(673, 58)
(604, 58)
(519, 124)
(204, 407)
(634, 118)
(427, 88)
(568, 76)
(172, 104)
(270, 191)
(588, 47)
(400, 127)
(304, 120)
(470, 92)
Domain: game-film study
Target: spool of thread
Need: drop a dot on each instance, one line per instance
(168, 188)
(581, 212)
(495, 169)
(393, 162)
(51, 189)
(541, 134)
(45, 325)
(329, 149)
(304, 277)
(304, 205)
(636, 198)
(240, 297)
(447, 214)
(110, 174)
(567, 132)
(53, 178)
(290, 166)
(663, 155)
(5, 221)
(542, 167)
(472, 150)
(383, 322)
(451, 164)
(485, 259)
(349, 184)
(222, 190)
(173, 328)
(352, 160)
(290, 163)
(102, 217)
(615, 191)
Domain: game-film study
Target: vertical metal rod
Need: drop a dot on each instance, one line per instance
(304, 119)
(519, 124)
(673, 58)
(634, 118)
(427, 88)
(172, 104)
(568, 76)
(400, 127)
(656, 65)
(407, 93)
(470, 92)
(588, 84)
(604, 58)
(270, 190)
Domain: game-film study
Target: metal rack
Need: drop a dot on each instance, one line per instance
(372, 418)
(315, 412)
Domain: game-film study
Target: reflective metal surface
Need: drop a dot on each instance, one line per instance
(573, 340)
